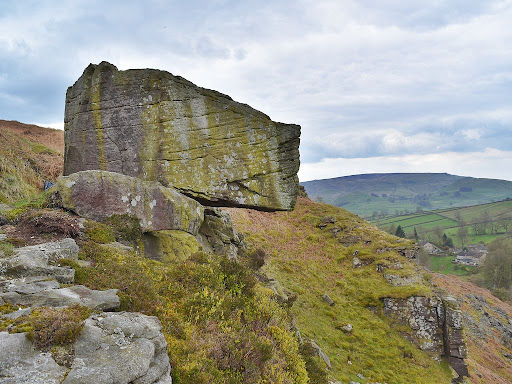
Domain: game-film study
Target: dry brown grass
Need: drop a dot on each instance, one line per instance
(51, 138)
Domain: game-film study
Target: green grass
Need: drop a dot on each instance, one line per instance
(444, 264)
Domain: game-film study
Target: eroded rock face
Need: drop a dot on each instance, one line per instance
(120, 348)
(98, 195)
(436, 326)
(153, 125)
(424, 316)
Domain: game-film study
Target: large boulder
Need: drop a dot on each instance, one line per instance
(97, 195)
(150, 124)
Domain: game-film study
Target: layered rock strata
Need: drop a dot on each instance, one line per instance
(150, 124)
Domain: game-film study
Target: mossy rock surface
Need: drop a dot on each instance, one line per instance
(153, 125)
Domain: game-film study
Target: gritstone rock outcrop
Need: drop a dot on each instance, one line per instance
(155, 126)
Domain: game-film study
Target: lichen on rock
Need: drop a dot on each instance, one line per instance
(153, 125)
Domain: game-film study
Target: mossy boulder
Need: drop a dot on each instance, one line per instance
(99, 195)
(150, 124)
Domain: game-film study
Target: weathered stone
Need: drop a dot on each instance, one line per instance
(156, 126)
(22, 363)
(322, 354)
(422, 315)
(26, 287)
(169, 246)
(120, 348)
(39, 260)
(218, 233)
(401, 281)
(327, 299)
(78, 294)
(97, 195)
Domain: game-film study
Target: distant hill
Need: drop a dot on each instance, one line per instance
(385, 194)
(29, 155)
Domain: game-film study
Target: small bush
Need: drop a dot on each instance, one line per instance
(257, 258)
(48, 327)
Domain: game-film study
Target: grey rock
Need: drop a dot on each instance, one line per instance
(400, 281)
(98, 195)
(53, 251)
(27, 287)
(322, 354)
(78, 294)
(218, 234)
(21, 363)
(20, 312)
(41, 260)
(327, 299)
(120, 348)
(156, 126)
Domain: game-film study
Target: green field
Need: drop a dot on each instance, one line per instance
(444, 264)
(447, 220)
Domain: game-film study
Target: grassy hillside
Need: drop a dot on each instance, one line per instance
(309, 262)
(400, 193)
(29, 155)
(495, 215)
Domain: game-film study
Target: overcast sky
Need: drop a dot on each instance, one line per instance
(377, 85)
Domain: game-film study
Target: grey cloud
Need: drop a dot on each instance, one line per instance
(362, 78)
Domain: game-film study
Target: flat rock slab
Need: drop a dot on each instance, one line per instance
(120, 348)
(33, 264)
(97, 195)
(39, 261)
(153, 125)
(78, 294)
(52, 251)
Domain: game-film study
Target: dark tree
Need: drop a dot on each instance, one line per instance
(400, 232)
(415, 234)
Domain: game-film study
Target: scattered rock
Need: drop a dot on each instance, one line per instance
(322, 354)
(97, 195)
(401, 281)
(327, 299)
(347, 328)
(150, 124)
